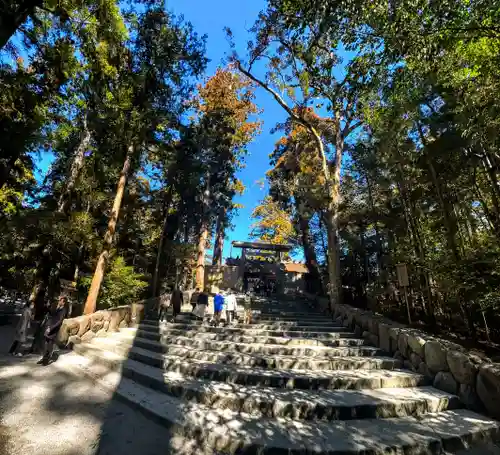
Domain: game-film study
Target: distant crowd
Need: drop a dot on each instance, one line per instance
(225, 305)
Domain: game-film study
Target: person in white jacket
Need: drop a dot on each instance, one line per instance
(231, 306)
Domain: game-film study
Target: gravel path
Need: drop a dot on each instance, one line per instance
(47, 410)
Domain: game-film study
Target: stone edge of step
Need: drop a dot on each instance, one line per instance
(262, 339)
(364, 350)
(232, 433)
(291, 379)
(274, 402)
(345, 361)
(239, 329)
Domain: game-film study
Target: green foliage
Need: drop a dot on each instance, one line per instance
(122, 284)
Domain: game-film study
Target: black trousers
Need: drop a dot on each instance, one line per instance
(49, 348)
(13, 348)
(163, 313)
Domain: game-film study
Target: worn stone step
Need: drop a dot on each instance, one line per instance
(293, 403)
(256, 319)
(327, 326)
(196, 428)
(239, 328)
(163, 345)
(170, 360)
(291, 379)
(175, 338)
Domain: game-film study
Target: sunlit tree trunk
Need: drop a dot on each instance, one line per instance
(200, 258)
(95, 286)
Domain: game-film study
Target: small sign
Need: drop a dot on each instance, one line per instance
(402, 273)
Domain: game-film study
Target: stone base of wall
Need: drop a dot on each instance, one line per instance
(450, 367)
(84, 328)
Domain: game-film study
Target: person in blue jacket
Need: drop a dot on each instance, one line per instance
(218, 307)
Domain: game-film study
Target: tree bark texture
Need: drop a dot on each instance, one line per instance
(95, 286)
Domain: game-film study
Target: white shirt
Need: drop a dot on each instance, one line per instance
(230, 302)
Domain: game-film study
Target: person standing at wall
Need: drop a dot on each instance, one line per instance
(21, 331)
(55, 319)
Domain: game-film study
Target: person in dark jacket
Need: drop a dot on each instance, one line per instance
(201, 305)
(177, 300)
(38, 344)
(194, 298)
(55, 319)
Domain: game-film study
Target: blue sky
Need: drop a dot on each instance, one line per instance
(210, 18)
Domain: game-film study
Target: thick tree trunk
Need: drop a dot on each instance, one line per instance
(12, 20)
(219, 238)
(309, 252)
(334, 284)
(200, 258)
(154, 285)
(95, 286)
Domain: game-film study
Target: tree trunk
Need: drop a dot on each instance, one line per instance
(448, 218)
(76, 167)
(378, 241)
(415, 238)
(95, 286)
(309, 251)
(334, 284)
(333, 186)
(154, 285)
(62, 208)
(219, 238)
(200, 258)
(12, 20)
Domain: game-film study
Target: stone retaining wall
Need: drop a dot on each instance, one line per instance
(84, 328)
(449, 366)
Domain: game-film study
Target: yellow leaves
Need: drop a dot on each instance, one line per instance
(273, 224)
(238, 186)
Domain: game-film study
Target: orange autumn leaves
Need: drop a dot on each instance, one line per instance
(296, 160)
(233, 95)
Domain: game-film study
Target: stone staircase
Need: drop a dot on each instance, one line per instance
(289, 382)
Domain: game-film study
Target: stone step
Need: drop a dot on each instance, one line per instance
(238, 330)
(175, 338)
(196, 428)
(290, 379)
(326, 326)
(286, 316)
(293, 403)
(170, 346)
(174, 356)
(269, 327)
